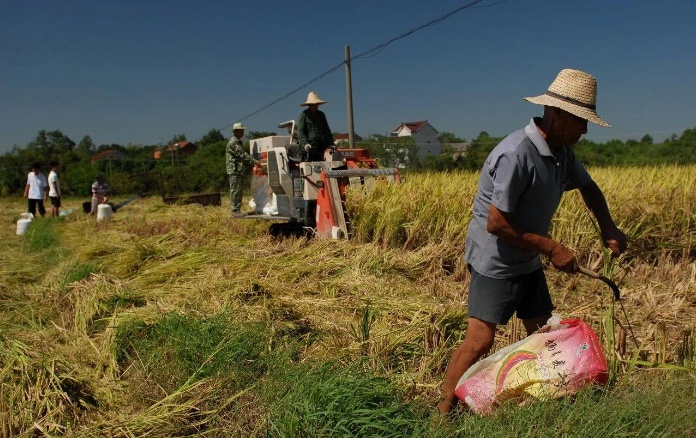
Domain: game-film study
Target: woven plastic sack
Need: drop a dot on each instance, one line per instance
(557, 361)
(261, 191)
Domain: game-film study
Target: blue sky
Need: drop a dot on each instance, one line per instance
(143, 71)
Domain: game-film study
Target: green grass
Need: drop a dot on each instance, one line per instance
(655, 405)
(335, 400)
(41, 235)
(80, 272)
(185, 348)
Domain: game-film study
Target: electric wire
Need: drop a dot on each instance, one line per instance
(364, 54)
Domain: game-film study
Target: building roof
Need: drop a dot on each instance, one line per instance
(179, 146)
(412, 126)
(185, 147)
(111, 154)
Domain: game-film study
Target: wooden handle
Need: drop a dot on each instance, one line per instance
(587, 272)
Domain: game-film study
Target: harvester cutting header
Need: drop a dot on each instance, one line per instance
(310, 195)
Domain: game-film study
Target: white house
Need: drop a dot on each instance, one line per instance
(423, 134)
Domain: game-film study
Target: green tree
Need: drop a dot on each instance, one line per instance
(49, 146)
(85, 147)
(478, 151)
(392, 151)
(260, 134)
(448, 137)
(177, 138)
(212, 136)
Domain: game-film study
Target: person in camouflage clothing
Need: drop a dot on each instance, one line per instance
(237, 160)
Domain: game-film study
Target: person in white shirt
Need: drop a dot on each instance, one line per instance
(36, 190)
(54, 189)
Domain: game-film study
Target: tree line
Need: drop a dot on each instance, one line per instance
(136, 170)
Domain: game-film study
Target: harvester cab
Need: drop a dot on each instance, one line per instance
(310, 195)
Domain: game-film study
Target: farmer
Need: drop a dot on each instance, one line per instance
(519, 189)
(36, 190)
(313, 129)
(101, 193)
(237, 160)
(54, 189)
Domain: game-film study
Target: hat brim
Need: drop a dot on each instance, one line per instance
(582, 112)
(319, 102)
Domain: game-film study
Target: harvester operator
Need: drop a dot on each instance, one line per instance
(519, 190)
(237, 161)
(313, 129)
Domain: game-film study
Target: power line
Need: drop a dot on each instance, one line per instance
(365, 54)
(414, 30)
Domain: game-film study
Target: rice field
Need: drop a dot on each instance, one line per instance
(181, 321)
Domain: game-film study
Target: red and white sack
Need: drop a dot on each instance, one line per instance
(557, 361)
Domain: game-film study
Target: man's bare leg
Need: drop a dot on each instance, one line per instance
(478, 341)
(534, 324)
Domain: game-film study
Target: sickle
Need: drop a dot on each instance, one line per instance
(611, 284)
(617, 297)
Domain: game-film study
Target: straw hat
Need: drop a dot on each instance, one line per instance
(313, 98)
(238, 125)
(573, 91)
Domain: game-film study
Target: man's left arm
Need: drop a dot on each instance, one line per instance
(612, 236)
(323, 125)
(249, 159)
(242, 153)
(302, 131)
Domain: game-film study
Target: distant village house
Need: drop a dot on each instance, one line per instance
(179, 148)
(423, 134)
(111, 154)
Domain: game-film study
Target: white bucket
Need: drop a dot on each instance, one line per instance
(23, 226)
(103, 212)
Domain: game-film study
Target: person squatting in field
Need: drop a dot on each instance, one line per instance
(101, 192)
(237, 161)
(519, 189)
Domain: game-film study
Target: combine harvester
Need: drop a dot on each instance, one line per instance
(310, 195)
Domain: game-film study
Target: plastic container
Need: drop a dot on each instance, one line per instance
(103, 212)
(23, 226)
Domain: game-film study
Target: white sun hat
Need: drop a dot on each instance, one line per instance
(238, 125)
(573, 91)
(313, 98)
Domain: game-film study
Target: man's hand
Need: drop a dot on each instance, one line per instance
(615, 240)
(563, 259)
(612, 237)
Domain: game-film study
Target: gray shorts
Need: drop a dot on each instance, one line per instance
(495, 300)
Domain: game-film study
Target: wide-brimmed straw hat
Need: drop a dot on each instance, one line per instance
(573, 91)
(238, 125)
(313, 98)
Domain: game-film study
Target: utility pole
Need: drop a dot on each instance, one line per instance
(349, 98)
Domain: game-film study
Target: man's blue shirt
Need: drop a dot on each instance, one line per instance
(522, 177)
